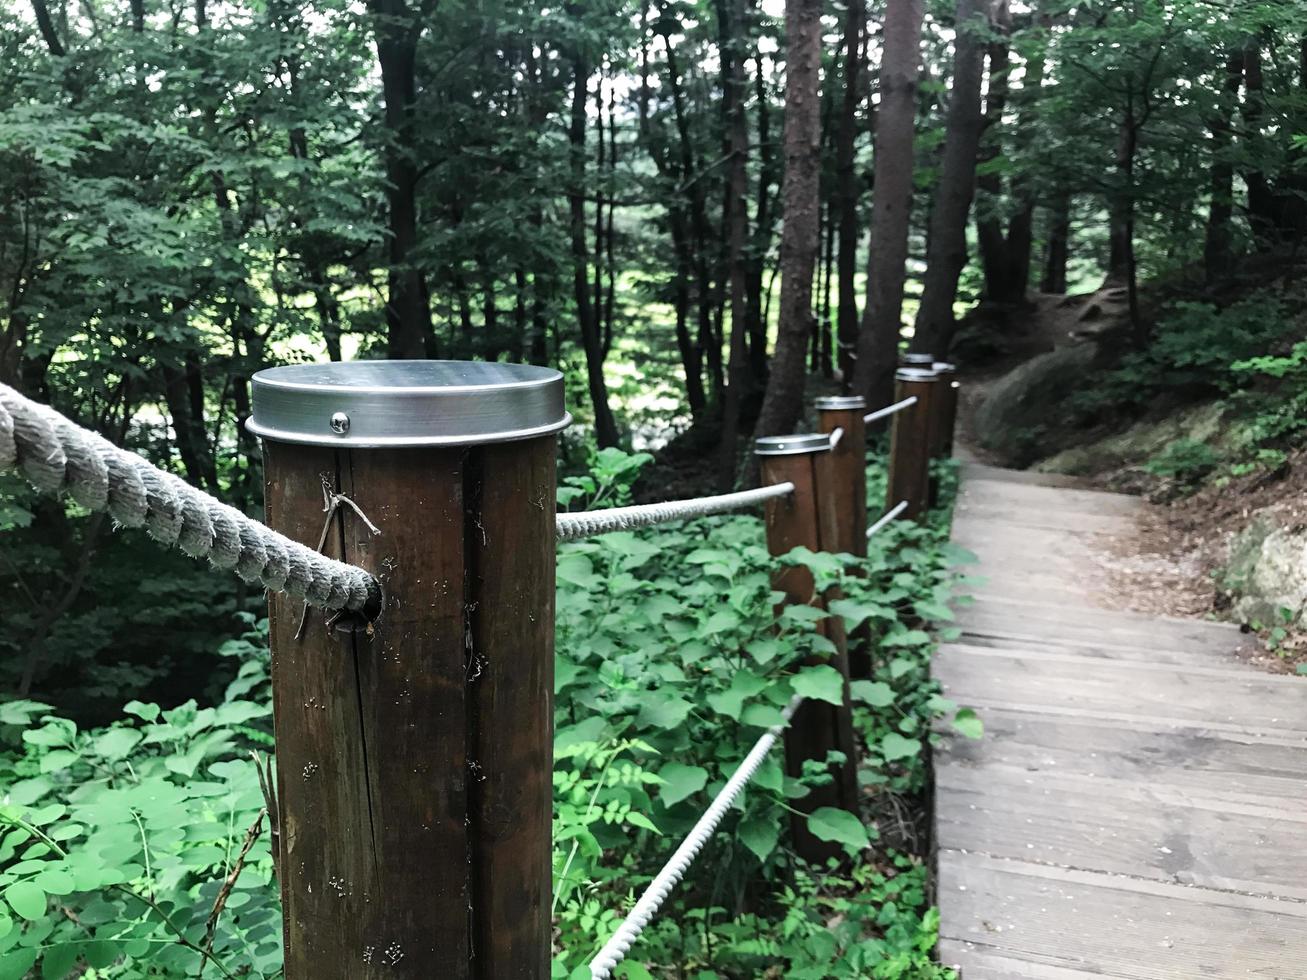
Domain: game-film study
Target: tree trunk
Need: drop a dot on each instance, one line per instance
(846, 184)
(946, 251)
(990, 236)
(586, 314)
(1059, 242)
(740, 382)
(783, 402)
(891, 206)
(1121, 204)
(697, 207)
(1217, 243)
(825, 328)
(762, 228)
(45, 25)
(408, 317)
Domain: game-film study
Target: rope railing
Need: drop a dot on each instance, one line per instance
(888, 516)
(620, 943)
(584, 524)
(57, 456)
(888, 410)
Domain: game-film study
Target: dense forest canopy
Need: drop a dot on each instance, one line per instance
(691, 208)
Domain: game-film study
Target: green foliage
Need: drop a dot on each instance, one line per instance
(1197, 348)
(1184, 461)
(672, 659)
(117, 844)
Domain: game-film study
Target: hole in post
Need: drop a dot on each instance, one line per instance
(351, 621)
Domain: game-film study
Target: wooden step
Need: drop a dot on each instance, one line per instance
(1111, 926)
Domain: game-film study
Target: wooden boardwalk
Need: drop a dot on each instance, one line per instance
(1138, 805)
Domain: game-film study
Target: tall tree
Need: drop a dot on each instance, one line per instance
(740, 380)
(1218, 238)
(891, 203)
(586, 312)
(946, 252)
(783, 401)
(398, 28)
(847, 185)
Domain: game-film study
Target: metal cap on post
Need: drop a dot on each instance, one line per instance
(916, 360)
(909, 457)
(414, 756)
(808, 518)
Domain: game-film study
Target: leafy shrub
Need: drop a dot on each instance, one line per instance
(1195, 347)
(1184, 461)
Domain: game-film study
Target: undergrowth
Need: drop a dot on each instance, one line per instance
(140, 850)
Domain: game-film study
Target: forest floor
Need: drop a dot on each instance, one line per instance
(1168, 563)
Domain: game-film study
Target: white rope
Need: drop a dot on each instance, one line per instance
(58, 456)
(888, 410)
(836, 436)
(628, 932)
(590, 522)
(889, 515)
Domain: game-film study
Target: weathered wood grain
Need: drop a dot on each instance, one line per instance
(1136, 808)
(414, 754)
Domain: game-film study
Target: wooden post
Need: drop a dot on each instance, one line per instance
(807, 518)
(414, 752)
(943, 419)
(848, 466)
(909, 454)
(946, 410)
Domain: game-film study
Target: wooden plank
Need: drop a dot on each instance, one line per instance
(1087, 647)
(1079, 657)
(1106, 925)
(1127, 827)
(973, 472)
(1024, 608)
(1170, 696)
(1017, 492)
(1135, 809)
(978, 963)
(1066, 520)
(1195, 760)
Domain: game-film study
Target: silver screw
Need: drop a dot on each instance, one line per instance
(340, 423)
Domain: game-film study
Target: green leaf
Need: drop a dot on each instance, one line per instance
(906, 638)
(744, 684)
(680, 781)
(57, 963)
(663, 711)
(116, 743)
(875, 693)
(149, 712)
(15, 964)
(840, 826)
(900, 666)
(894, 747)
(759, 833)
(57, 759)
(761, 715)
(822, 682)
(55, 881)
(27, 899)
(968, 723)
(636, 819)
